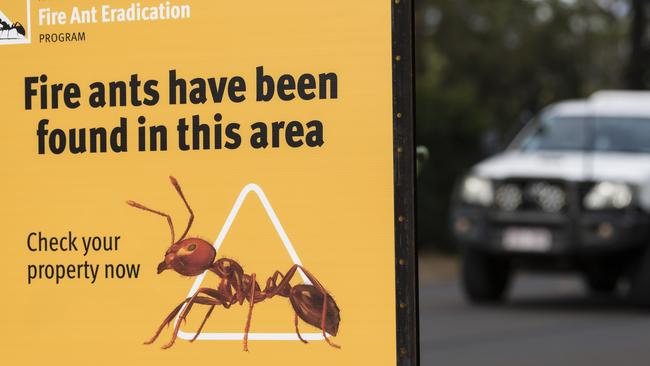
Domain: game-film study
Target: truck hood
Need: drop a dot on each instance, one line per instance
(574, 166)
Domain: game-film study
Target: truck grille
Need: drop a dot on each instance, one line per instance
(531, 195)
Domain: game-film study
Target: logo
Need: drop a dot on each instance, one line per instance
(15, 23)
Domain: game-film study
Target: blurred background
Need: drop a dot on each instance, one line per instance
(483, 69)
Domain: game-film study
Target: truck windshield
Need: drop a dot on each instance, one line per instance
(613, 134)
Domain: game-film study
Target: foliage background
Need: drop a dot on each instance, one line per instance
(485, 67)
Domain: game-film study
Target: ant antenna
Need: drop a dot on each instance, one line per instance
(169, 219)
(180, 192)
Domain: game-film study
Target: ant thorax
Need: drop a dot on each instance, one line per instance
(225, 267)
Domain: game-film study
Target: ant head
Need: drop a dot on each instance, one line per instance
(189, 257)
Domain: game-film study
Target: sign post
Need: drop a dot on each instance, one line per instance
(230, 182)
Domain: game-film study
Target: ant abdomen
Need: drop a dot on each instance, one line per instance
(307, 301)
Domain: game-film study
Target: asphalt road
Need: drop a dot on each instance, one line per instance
(547, 321)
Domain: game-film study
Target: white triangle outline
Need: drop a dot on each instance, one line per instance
(204, 336)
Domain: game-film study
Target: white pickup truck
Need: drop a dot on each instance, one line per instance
(570, 192)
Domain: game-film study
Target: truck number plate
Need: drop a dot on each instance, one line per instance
(527, 239)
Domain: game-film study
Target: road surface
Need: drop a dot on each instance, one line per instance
(547, 321)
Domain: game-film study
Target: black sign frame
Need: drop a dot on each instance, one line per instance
(406, 264)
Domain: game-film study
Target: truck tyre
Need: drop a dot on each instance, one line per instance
(485, 277)
(640, 281)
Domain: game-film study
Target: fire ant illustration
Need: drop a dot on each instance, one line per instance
(4, 26)
(191, 256)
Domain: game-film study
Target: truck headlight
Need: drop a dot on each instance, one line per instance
(477, 191)
(608, 195)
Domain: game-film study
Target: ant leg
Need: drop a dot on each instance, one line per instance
(251, 301)
(239, 287)
(170, 317)
(218, 300)
(313, 279)
(180, 192)
(169, 218)
(205, 319)
(207, 315)
(272, 284)
(283, 283)
(289, 275)
(295, 322)
(322, 323)
(167, 320)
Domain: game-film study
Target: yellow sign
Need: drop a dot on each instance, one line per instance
(206, 177)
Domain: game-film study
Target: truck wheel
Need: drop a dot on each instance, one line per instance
(485, 277)
(640, 281)
(601, 282)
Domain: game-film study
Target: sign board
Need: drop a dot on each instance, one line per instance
(229, 181)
